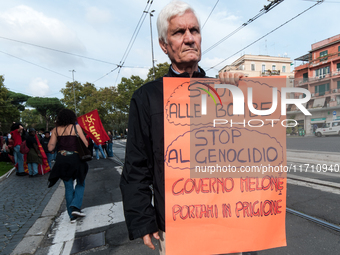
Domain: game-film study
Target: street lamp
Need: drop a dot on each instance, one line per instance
(153, 59)
(74, 93)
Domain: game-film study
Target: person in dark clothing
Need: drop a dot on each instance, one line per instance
(91, 144)
(109, 149)
(68, 165)
(44, 142)
(34, 157)
(179, 38)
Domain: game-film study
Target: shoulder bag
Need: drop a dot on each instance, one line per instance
(23, 148)
(83, 152)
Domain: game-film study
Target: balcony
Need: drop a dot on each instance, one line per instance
(300, 82)
(303, 81)
(270, 72)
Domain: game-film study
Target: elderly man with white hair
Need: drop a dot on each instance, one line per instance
(180, 38)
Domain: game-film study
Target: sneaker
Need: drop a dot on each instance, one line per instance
(77, 212)
(73, 219)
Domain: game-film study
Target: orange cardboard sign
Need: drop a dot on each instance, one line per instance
(225, 173)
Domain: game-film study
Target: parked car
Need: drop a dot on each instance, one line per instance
(329, 128)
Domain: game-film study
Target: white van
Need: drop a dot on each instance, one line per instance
(329, 128)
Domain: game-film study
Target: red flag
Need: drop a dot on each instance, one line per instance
(92, 125)
(44, 168)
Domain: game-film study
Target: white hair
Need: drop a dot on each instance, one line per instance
(174, 8)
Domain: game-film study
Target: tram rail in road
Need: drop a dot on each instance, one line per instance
(313, 182)
(314, 219)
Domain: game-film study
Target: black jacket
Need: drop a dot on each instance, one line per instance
(144, 160)
(44, 142)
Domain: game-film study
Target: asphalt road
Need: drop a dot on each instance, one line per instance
(313, 143)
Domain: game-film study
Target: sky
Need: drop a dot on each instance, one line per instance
(41, 42)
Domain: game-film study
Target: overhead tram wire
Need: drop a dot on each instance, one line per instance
(134, 36)
(318, 2)
(266, 9)
(35, 64)
(210, 14)
(106, 74)
(60, 51)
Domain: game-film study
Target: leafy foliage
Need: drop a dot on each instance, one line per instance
(8, 113)
(160, 70)
(30, 118)
(48, 108)
(125, 91)
(112, 103)
(18, 99)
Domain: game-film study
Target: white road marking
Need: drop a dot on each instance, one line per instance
(101, 216)
(96, 217)
(65, 230)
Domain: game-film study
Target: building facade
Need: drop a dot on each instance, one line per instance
(261, 65)
(320, 74)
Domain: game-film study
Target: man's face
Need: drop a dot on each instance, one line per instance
(47, 135)
(183, 41)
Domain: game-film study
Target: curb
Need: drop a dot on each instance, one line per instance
(35, 235)
(6, 175)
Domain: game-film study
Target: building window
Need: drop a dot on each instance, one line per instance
(273, 67)
(253, 67)
(338, 66)
(263, 68)
(283, 69)
(321, 89)
(338, 84)
(323, 55)
(305, 77)
(321, 72)
(339, 50)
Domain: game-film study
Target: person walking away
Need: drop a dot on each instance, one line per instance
(34, 157)
(98, 148)
(44, 142)
(90, 141)
(68, 165)
(16, 131)
(109, 144)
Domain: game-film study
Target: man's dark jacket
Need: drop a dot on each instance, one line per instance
(144, 159)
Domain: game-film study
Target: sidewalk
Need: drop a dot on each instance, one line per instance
(22, 200)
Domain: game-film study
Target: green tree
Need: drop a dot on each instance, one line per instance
(48, 108)
(30, 118)
(72, 98)
(160, 70)
(125, 90)
(88, 99)
(8, 113)
(18, 99)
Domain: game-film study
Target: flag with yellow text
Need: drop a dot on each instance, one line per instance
(92, 125)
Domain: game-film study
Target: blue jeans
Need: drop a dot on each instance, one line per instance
(73, 195)
(109, 150)
(19, 158)
(32, 168)
(99, 147)
(49, 158)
